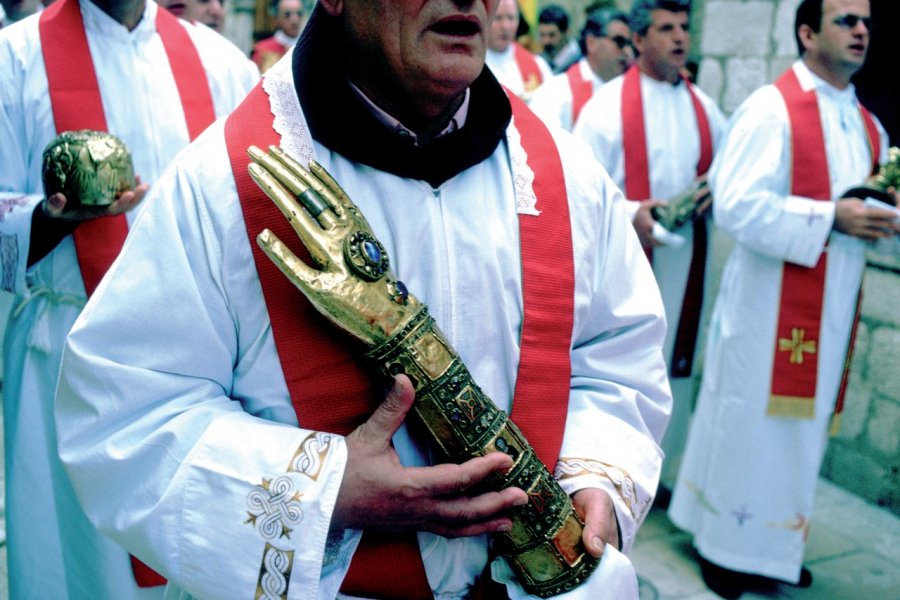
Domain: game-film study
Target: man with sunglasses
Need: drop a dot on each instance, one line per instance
(289, 20)
(784, 319)
(606, 48)
(656, 134)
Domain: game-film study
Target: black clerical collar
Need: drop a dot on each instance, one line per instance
(341, 120)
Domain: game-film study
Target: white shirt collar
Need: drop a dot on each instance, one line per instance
(456, 121)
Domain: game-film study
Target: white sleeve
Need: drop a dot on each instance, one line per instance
(620, 400)
(750, 181)
(175, 424)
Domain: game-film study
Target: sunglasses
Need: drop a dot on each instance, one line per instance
(620, 40)
(849, 21)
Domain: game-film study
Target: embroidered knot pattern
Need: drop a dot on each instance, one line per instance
(273, 506)
(523, 176)
(568, 468)
(289, 121)
(797, 345)
(274, 574)
(310, 455)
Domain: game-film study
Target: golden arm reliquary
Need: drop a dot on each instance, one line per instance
(90, 167)
(356, 289)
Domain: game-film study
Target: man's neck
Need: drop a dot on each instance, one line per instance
(657, 73)
(126, 12)
(834, 77)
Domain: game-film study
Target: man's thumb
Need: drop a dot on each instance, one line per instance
(390, 414)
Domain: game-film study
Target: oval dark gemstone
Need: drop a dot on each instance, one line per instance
(402, 292)
(501, 444)
(373, 252)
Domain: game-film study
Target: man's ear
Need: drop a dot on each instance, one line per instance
(333, 7)
(805, 33)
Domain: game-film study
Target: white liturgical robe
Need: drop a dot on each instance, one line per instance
(747, 482)
(189, 415)
(673, 150)
(54, 552)
(552, 102)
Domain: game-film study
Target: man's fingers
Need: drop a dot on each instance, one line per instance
(596, 509)
(387, 418)
(449, 479)
(301, 274)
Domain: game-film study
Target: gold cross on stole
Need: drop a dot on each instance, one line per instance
(797, 345)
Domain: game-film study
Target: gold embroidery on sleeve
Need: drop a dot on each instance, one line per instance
(569, 467)
(273, 509)
(274, 574)
(310, 455)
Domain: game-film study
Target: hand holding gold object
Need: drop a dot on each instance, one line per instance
(355, 288)
(884, 184)
(686, 206)
(90, 168)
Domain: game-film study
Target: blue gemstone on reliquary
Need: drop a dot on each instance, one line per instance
(373, 253)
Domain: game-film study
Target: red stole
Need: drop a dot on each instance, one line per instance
(528, 67)
(795, 363)
(637, 187)
(76, 102)
(334, 390)
(582, 89)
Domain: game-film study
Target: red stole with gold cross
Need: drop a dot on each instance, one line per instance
(77, 104)
(637, 187)
(582, 89)
(333, 389)
(795, 363)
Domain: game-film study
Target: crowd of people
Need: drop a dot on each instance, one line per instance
(180, 420)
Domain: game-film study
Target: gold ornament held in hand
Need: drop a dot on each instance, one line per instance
(877, 186)
(353, 285)
(90, 167)
(680, 210)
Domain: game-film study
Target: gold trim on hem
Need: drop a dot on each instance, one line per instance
(795, 407)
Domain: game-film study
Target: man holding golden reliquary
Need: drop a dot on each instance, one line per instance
(783, 323)
(656, 134)
(254, 438)
(133, 70)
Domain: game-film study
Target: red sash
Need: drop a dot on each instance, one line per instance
(795, 363)
(528, 67)
(76, 102)
(582, 89)
(332, 389)
(637, 187)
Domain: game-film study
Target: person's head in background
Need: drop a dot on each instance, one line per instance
(833, 37)
(553, 29)
(606, 42)
(662, 37)
(504, 26)
(290, 17)
(208, 12)
(17, 10)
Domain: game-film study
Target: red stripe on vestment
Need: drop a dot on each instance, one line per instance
(77, 104)
(637, 187)
(582, 90)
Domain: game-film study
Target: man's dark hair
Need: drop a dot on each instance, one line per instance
(554, 14)
(597, 22)
(809, 12)
(641, 19)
